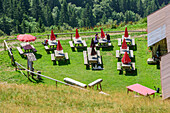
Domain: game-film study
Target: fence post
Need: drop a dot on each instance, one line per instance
(38, 76)
(4, 46)
(56, 83)
(71, 37)
(27, 68)
(16, 66)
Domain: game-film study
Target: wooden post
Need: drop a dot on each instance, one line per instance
(71, 37)
(15, 67)
(127, 91)
(38, 76)
(100, 87)
(4, 46)
(56, 83)
(27, 67)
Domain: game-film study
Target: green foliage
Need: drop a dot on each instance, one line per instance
(77, 13)
(1, 33)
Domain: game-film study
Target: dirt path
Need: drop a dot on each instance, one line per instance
(66, 38)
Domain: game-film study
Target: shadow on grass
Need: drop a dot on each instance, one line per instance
(63, 62)
(37, 80)
(38, 56)
(134, 48)
(131, 73)
(107, 48)
(133, 59)
(81, 49)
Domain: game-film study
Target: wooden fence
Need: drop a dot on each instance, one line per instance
(71, 34)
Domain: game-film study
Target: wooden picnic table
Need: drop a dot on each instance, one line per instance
(77, 41)
(102, 41)
(27, 47)
(91, 58)
(142, 90)
(129, 41)
(121, 66)
(59, 54)
(24, 44)
(52, 43)
(122, 51)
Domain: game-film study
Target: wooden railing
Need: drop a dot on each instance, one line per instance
(71, 34)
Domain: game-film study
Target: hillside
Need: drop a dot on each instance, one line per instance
(20, 94)
(42, 98)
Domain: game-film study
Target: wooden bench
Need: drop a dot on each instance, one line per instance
(52, 57)
(131, 54)
(46, 48)
(20, 50)
(133, 66)
(119, 66)
(119, 42)
(66, 56)
(74, 82)
(99, 60)
(85, 57)
(98, 82)
(33, 48)
(117, 54)
(133, 42)
(84, 43)
(71, 44)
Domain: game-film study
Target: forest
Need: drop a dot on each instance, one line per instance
(29, 16)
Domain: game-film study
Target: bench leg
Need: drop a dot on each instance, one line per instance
(100, 87)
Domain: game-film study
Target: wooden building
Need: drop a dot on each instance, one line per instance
(158, 26)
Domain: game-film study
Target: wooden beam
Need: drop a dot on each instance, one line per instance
(74, 82)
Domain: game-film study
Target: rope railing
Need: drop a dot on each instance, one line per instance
(48, 77)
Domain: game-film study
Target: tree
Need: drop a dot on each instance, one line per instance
(23, 26)
(6, 24)
(40, 26)
(63, 13)
(56, 14)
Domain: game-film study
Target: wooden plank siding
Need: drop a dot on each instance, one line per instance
(158, 27)
(165, 75)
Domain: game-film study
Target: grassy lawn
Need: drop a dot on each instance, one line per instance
(147, 75)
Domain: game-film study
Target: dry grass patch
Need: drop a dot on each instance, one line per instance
(41, 98)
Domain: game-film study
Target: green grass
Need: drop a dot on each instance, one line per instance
(147, 75)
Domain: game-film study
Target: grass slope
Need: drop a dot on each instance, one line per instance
(147, 75)
(42, 98)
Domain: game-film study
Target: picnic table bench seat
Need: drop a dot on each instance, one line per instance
(109, 44)
(46, 48)
(85, 57)
(71, 44)
(84, 43)
(133, 42)
(119, 66)
(119, 42)
(52, 57)
(117, 54)
(66, 56)
(33, 48)
(20, 50)
(133, 66)
(131, 54)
